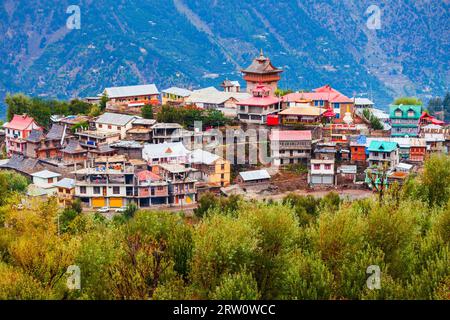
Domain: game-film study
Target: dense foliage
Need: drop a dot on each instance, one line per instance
(300, 248)
(438, 105)
(186, 116)
(41, 109)
(375, 123)
(413, 101)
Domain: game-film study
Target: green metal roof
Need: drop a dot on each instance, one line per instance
(382, 146)
(405, 109)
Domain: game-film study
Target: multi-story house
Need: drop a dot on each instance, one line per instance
(417, 150)
(141, 130)
(165, 132)
(131, 98)
(110, 184)
(115, 122)
(73, 152)
(405, 120)
(435, 142)
(322, 172)
(173, 152)
(296, 116)
(182, 185)
(65, 191)
(290, 147)
(151, 189)
(384, 153)
(53, 142)
(33, 142)
(358, 150)
(46, 180)
(325, 98)
(175, 96)
(259, 106)
(17, 131)
(212, 169)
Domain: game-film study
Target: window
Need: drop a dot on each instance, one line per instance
(67, 191)
(96, 190)
(316, 166)
(50, 180)
(222, 176)
(327, 166)
(82, 189)
(118, 128)
(100, 126)
(222, 167)
(116, 190)
(60, 190)
(109, 126)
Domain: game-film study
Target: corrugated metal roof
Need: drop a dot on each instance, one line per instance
(254, 175)
(115, 119)
(201, 156)
(181, 92)
(129, 91)
(65, 183)
(164, 150)
(290, 135)
(45, 174)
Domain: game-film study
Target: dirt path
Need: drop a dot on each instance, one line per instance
(351, 194)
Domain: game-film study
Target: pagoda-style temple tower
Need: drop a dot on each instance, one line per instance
(262, 72)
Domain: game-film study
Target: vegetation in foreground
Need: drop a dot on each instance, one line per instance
(301, 248)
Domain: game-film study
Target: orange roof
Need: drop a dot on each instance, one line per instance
(147, 175)
(325, 93)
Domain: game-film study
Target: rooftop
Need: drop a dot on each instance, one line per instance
(302, 111)
(383, 146)
(127, 144)
(45, 174)
(181, 92)
(65, 183)
(19, 122)
(363, 101)
(254, 175)
(164, 150)
(261, 65)
(129, 91)
(115, 119)
(290, 135)
(200, 156)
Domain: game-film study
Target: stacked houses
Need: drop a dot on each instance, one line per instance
(119, 158)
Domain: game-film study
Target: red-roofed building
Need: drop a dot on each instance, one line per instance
(426, 119)
(17, 131)
(290, 147)
(256, 108)
(324, 97)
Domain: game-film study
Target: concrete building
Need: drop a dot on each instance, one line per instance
(114, 123)
(322, 172)
(383, 153)
(290, 147)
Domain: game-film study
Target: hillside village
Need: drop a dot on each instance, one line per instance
(316, 141)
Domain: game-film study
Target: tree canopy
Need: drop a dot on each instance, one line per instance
(299, 248)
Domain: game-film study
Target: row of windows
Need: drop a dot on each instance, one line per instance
(317, 166)
(109, 127)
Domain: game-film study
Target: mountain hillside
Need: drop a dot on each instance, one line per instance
(195, 43)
